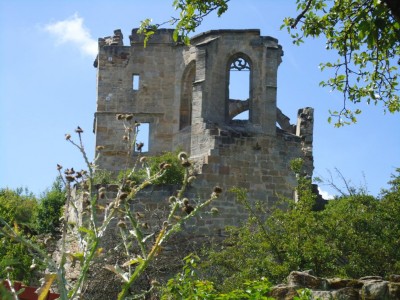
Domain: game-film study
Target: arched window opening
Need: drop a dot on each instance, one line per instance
(185, 112)
(239, 89)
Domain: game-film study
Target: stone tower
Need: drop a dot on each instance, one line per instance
(183, 94)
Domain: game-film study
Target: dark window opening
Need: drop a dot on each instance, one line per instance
(185, 111)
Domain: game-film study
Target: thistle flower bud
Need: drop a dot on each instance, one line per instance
(155, 283)
(9, 269)
(172, 199)
(214, 211)
(99, 148)
(217, 190)
(139, 215)
(125, 138)
(121, 224)
(123, 196)
(70, 178)
(59, 167)
(78, 130)
(186, 163)
(191, 179)
(119, 116)
(165, 224)
(188, 209)
(69, 172)
(67, 136)
(129, 117)
(145, 225)
(185, 201)
(182, 155)
(143, 159)
(139, 146)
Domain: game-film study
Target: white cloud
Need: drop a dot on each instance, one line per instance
(71, 31)
(325, 194)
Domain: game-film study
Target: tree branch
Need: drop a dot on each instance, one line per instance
(394, 8)
(301, 15)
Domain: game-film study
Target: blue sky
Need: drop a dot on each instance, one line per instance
(48, 87)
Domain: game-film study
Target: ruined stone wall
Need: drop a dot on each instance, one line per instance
(153, 102)
(183, 94)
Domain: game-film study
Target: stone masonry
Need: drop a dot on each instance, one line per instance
(182, 93)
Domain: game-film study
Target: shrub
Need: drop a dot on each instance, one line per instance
(168, 163)
(355, 236)
(103, 177)
(188, 285)
(173, 174)
(50, 209)
(20, 211)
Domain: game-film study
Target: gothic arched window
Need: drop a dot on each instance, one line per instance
(185, 111)
(239, 87)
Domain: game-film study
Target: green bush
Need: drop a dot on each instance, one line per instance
(20, 212)
(103, 177)
(188, 285)
(50, 209)
(173, 174)
(168, 163)
(354, 236)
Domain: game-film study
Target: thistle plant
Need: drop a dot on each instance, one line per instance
(91, 209)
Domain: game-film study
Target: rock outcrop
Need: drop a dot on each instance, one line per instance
(365, 288)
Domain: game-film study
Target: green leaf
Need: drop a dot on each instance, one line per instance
(118, 271)
(137, 260)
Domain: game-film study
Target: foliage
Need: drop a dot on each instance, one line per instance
(5, 294)
(103, 177)
(20, 211)
(50, 209)
(188, 285)
(353, 236)
(366, 36)
(81, 220)
(17, 208)
(364, 33)
(175, 172)
(191, 14)
(304, 294)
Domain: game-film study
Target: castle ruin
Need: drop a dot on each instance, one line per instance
(184, 95)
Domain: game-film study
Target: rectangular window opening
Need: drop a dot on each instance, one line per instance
(135, 82)
(142, 138)
(239, 90)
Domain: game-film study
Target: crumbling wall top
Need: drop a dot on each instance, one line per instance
(224, 31)
(160, 36)
(116, 40)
